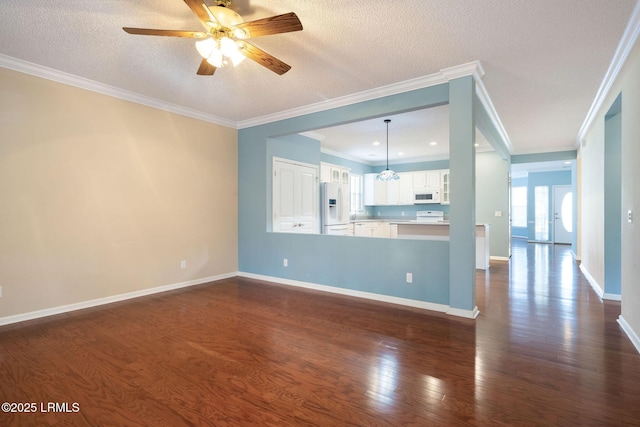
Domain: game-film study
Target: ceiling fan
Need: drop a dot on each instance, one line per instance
(225, 37)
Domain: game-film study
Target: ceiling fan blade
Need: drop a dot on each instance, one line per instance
(285, 23)
(263, 58)
(168, 33)
(206, 69)
(200, 9)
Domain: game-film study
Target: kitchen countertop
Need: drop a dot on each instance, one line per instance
(406, 221)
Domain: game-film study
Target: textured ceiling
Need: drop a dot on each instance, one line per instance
(543, 60)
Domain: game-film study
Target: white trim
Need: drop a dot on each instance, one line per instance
(105, 89)
(633, 336)
(597, 288)
(594, 284)
(499, 258)
(473, 68)
(464, 313)
(108, 300)
(612, 297)
(629, 38)
(442, 308)
(485, 100)
(469, 69)
(343, 155)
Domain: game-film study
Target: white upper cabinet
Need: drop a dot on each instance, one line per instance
(446, 188)
(375, 192)
(334, 173)
(423, 180)
(401, 192)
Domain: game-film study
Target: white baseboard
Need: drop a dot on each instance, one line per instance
(469, 314)
(442, 308)
(594, 284)
(597, 288)
(499, 258)
(633, 336)
(612, 297)
(7, 320)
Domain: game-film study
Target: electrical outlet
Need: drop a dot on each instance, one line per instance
(183, 264)
(285, 262)
(498, 214)
(409, 277)
(629, 216)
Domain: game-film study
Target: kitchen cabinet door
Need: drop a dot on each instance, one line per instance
(433, 179)
(405, 191)
(446, 188)
(381, 229)
(393, 192)
(375, 192)
(361, 229)
(419, 180)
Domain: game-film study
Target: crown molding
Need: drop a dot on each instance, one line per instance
(444, 76)
(345, 156)
(629, 38)
(105, 89)
(485, 100)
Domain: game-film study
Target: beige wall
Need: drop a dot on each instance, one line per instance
(101, 197)
(592, 242)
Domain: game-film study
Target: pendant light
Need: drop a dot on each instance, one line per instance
(387, 175)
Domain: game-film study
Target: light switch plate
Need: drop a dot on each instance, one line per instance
(498, 214)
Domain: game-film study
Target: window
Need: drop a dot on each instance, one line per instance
(541, 213)
(519, 206)
(357, 191)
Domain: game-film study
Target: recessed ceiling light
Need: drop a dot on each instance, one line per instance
(433, 143)
(376, 143)
(400, 153)
(567, 162)
(476, 145)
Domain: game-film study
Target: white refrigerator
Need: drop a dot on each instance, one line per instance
(335, 208)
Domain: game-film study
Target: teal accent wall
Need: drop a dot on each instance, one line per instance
(354, 263)
(462, 213)
(613, 200)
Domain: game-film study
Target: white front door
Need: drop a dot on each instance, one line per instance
(562, 214)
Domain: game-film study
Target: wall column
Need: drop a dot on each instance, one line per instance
(462, 245)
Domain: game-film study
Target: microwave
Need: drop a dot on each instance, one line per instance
(426, 196)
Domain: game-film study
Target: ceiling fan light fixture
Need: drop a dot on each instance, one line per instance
(205, 47)
(228, 47)
(387, 175)
(216, 58)
(225, 16)
(237, 58)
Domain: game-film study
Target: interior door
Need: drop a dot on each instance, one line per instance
(562, 214)
(295, 197)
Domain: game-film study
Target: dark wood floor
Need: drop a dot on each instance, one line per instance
(544, 351)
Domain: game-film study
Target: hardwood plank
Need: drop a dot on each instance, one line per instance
(544, 351)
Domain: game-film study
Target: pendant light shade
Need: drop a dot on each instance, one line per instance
(387, 175)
